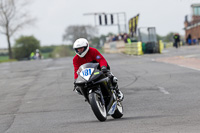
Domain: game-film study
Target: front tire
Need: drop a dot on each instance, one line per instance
(119, 111)
(97, 107)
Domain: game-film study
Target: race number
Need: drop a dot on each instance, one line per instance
(86, 73)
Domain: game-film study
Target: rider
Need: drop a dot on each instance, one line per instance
(86, 54)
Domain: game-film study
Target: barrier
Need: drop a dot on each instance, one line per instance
(168, 45)
(135, 48)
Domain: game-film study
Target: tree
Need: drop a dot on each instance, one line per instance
(95, 42)
(13, 17)
(47, 49)
(169, 37)
(77, 31)
(62, 51)
(98, 42)
(24, 46)
(103, 38)
(159, 37)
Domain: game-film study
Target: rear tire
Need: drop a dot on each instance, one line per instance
(119, 111)
(97, 107)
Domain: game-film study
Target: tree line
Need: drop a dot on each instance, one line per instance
(14, 17)
(24, 45)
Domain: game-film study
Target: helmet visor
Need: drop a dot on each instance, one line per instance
(80, 50)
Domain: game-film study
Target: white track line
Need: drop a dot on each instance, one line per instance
(163, 90)
(189, 67)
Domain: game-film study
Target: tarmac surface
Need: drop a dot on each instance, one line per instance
(162, 95)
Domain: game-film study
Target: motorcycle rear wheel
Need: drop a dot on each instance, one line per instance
(97, 107)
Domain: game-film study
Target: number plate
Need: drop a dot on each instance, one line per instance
(86, 73)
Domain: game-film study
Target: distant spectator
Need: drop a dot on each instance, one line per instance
(194, 41)
(119, 37)
(32, 55)
(176, 40)
(125, 38)
(116, 38)
(189, 39)
(37, 54)
(129, 40)
(122, 36)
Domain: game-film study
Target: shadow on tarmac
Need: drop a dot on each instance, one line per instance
(110, 119)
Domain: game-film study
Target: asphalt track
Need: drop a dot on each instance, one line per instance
(161, 95)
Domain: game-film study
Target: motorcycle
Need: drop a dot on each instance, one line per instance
(98, 91)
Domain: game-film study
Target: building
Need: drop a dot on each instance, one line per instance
(3, 51)
(192, 27)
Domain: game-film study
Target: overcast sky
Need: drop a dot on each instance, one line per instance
(53, 16)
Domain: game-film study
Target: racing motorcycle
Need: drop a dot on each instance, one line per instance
(98, 91)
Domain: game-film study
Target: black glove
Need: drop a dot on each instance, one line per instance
(104, 69)
(77, 89)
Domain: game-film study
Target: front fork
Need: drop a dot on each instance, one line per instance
(99, 92)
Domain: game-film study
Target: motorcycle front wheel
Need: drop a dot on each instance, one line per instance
(97, 107)
(119, 111)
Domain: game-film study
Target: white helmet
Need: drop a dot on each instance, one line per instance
(81, 43)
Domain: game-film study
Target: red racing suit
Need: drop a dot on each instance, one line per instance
(92, 55)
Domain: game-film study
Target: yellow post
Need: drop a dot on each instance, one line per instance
(140, 52)
(161, 46)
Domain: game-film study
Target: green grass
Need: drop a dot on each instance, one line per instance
(46, 55)
(6, 59)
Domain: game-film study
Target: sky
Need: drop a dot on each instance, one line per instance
(54, 16)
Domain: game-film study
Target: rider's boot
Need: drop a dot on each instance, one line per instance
(120, 95)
